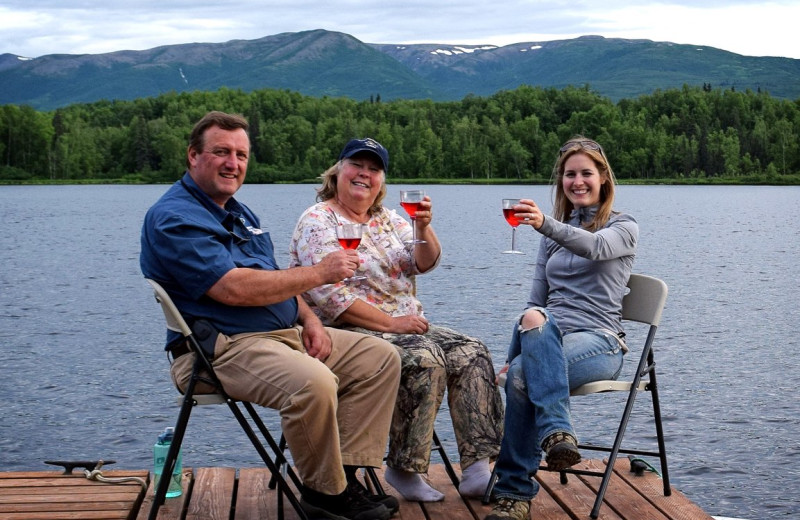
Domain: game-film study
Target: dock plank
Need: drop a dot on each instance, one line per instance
(56, 496)
(212, 494)
(172, 507)
(254, 499)
(651, 488)
(244, 494)
(453, 507)
(620, 496)
(574, 497)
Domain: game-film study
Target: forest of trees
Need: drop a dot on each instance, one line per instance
(688, 135)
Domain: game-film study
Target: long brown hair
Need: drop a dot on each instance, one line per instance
(329, 189)
(562, 207)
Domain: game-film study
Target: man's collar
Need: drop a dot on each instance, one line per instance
(232, 205)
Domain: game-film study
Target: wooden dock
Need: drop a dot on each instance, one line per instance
(231, 494)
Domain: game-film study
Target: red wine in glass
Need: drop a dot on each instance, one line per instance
(510, 218)
(349, 243)
(508, 213)
(410, 200)
(411, 208)
(349, 237)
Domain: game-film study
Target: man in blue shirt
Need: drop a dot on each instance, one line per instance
(335, 389)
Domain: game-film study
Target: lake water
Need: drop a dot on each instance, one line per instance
(84, 375)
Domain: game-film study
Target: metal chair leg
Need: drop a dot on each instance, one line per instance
(371, 477)
(437, 445)
(487, 495)
(175, 447)
(275, 469)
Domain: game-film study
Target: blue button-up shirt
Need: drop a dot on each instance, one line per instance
(189, 243)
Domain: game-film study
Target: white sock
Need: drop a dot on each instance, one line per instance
(475, 479)
(412, 486)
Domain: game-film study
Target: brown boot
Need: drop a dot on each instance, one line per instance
(562, 451)
(510, 509)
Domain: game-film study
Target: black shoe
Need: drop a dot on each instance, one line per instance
(348, 505)
(562, 451)
(391, 503)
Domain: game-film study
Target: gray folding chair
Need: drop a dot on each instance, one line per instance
(204, 372)
(643, 303)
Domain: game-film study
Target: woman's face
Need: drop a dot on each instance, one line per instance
(581, 181)
(360, 179)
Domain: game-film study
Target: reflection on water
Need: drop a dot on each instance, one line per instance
(84, 376)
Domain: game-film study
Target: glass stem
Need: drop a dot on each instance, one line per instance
(513, 239)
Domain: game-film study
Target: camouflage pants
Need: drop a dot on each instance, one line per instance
(430, 363)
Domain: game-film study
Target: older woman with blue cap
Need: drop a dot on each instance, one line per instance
(384, 304)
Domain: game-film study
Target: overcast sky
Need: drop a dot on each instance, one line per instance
(34, 28)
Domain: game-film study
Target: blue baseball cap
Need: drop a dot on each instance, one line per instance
(368, 144)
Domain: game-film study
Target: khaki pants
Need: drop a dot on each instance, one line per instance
(332, 414)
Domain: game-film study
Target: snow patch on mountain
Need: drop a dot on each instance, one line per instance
(459, 49)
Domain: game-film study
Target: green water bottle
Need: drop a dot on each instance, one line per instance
(160, 450)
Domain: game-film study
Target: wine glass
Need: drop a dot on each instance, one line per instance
(349, 236)
(508, 213)
(410, 200)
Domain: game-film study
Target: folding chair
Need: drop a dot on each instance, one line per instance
(203, 371)
(644, 303)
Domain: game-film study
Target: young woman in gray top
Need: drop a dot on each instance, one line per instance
(571, 332)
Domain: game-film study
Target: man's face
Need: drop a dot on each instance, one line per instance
(219, 169)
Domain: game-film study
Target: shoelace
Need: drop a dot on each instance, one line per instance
(505, 505)
(357, 499)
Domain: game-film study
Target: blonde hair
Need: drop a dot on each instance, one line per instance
(329, 189)
(562, 207)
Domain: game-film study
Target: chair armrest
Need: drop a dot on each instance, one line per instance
(597, 387)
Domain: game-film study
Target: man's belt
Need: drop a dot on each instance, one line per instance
(180, 349)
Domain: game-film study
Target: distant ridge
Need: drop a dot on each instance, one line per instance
(327, 63)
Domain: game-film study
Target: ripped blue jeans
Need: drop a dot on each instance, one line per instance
(544, 366)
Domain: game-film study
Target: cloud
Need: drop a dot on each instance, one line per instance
(752, 29)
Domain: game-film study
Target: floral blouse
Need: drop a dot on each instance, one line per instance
(386, 261)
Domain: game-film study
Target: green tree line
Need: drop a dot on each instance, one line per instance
(679, 135)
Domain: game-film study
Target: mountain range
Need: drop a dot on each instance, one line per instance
(328, 63)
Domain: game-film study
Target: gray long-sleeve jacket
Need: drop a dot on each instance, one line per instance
(580, 276)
